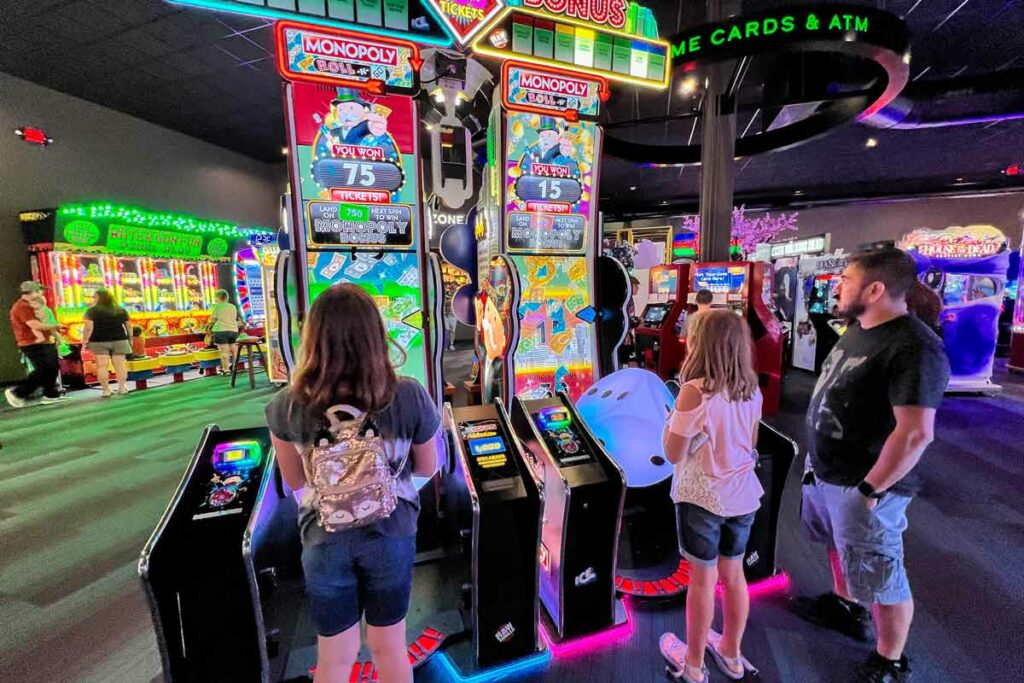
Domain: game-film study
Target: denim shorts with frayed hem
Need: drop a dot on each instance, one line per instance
(704, 536)
(357, 572)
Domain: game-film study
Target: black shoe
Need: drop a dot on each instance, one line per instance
(828, 610)
(877, 669)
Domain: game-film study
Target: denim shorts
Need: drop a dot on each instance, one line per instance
(358, 572)
(869, 542)
(225, 337)
(703, 535)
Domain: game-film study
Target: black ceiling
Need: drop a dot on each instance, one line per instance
(211, 75)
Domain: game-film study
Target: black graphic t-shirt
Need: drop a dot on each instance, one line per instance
(897, 363)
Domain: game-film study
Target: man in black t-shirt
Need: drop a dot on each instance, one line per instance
(871, 416)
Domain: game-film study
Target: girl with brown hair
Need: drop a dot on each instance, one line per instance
(105, 333)
(710, 438)
(365, 571)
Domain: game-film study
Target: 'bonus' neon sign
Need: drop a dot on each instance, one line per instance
(604, 12)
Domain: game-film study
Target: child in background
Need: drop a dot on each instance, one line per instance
(365, 571)
(138, 344)
(710, 438)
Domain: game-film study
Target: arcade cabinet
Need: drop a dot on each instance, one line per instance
(658, 342)
(966, 266)
(1016, 361)
(494, 505)
(354, 163)
(584, 491)
(539, 200)
(814, 326)
(626, 411)
(739, 286)
(208, 569)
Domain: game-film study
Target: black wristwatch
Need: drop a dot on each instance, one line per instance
(868, 491)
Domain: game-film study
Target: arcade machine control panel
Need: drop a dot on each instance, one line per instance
(583, 492)
(226, 522)
(497, 507)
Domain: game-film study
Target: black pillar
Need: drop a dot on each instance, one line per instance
(718, 148)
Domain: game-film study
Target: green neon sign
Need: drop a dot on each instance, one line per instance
(771, 31)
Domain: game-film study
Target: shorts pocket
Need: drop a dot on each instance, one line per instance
(874, 577)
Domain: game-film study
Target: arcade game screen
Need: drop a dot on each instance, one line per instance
(555, 345)
(720, 279)
(487, 446)
(664, 280)
(655, 314)
(234, 464)
(561, 436)
(820, 299)
(393, 280)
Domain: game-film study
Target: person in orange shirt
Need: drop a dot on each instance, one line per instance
(28, 330)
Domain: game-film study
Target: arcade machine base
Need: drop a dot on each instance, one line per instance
(972, 386)
(459, 664)
(620, 630)
(430, 622)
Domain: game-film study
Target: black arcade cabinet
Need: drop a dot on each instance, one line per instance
(494, 503)
(583, 492)
(208, 566)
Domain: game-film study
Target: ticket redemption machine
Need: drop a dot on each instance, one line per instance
(658, 342)
(966, 267)
(209, 569)
(815, 329)
(494, 505)
(739, 286)
(354, 161)
(584, 491)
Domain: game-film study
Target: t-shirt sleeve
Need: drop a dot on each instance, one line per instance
(90, 314)
(20, 315)
(283, 419)
(918, 375)
(687, 423)
(426, 419)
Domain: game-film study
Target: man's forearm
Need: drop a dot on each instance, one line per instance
(901, 452)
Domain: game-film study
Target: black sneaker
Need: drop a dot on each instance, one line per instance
(828, 610)
(877, 669)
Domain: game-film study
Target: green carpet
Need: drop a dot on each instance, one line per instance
(82, 485)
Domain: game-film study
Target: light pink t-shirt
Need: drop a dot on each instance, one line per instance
(725, 482)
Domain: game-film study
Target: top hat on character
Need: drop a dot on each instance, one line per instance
(548, 123)
(349, 95)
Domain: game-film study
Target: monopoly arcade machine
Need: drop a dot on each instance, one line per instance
(966, 266)
(739, 286)
(658, 342)
(355, 173)
(494, 504)
(539, 223)
(584, 491)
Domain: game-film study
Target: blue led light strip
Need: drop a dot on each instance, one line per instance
(537, 661)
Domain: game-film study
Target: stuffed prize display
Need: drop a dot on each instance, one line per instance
(626, 411)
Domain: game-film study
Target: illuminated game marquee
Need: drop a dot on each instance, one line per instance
(161, 267)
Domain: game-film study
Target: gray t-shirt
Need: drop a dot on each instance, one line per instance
(411, 418)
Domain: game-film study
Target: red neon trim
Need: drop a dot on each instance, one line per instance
(375, 87)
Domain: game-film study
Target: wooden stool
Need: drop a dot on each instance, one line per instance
(449, 392)
(252, 347)
(472, 393)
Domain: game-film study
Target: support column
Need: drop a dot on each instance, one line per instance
(718, 148)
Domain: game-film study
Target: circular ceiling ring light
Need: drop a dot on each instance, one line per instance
(875, 42)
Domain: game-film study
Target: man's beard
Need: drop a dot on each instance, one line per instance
(853, 311)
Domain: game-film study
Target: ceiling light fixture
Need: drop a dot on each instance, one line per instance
(689, 85)
(871, 143)
(633, 188)
(284, 151)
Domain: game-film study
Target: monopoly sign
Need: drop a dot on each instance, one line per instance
(540, 90)
(340, 58)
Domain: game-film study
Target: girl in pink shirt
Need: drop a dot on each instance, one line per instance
(710, 438)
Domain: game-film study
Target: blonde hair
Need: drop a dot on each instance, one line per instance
(720, 352)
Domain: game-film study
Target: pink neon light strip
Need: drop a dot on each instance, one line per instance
(594, 641)
(773, 584)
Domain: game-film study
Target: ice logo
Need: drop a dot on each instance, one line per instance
(588, 576)
(753, 559)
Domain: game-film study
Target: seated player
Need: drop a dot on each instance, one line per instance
(704, 298)
(138, 344)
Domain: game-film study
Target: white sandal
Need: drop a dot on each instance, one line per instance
(674, 651)
(729, 665)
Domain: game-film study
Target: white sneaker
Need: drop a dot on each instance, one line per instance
(15, 400)
(57, 399)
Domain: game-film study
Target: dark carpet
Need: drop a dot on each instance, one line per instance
(82, 486)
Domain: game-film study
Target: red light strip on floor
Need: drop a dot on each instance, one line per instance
(675, 584)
